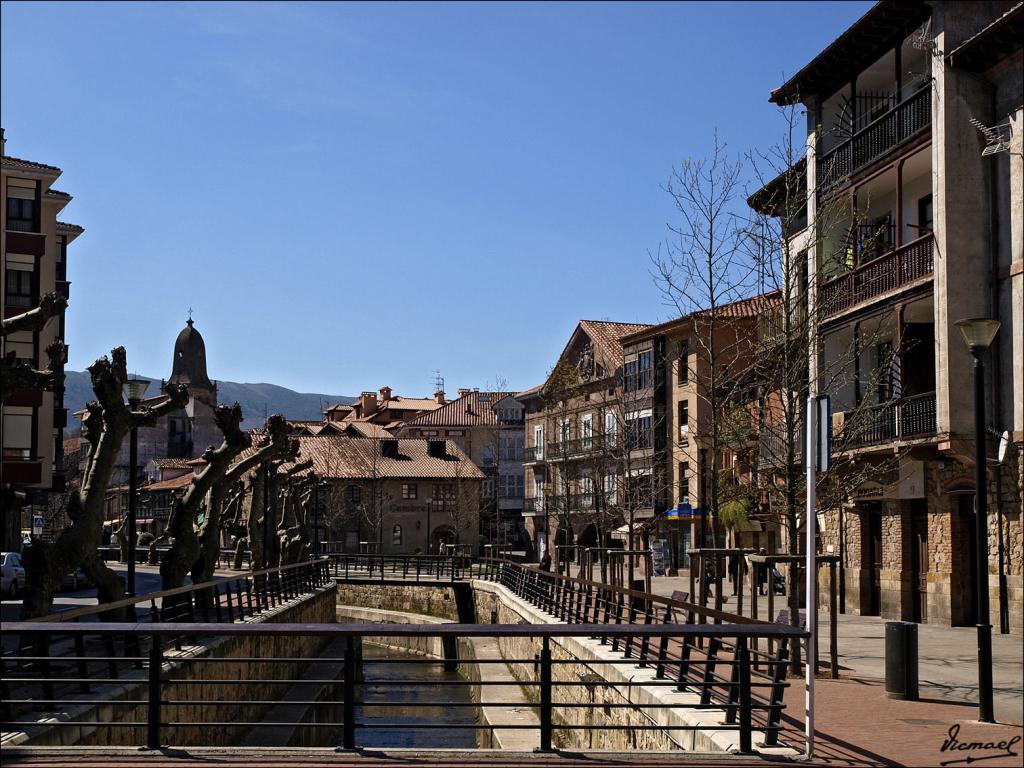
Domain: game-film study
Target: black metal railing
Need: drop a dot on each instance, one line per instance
(904, 121)
(695, 662)
(206, 694)
(533, 453)
(399, 567)
(230, 598)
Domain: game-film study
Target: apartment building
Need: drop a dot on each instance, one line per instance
(587, 456)
(33, 242)
(668, 376)
(488, 427)
(914, 221)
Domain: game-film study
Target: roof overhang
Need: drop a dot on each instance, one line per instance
(854, 50)
(991, 45)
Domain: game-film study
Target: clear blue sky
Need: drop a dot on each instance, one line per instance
(354, 195)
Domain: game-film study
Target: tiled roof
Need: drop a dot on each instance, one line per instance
(16, 163)
(751, 307)
(532, 391)
(399, 403)
(466, 411)
(357, 458)
(68, 225)
(72, 444)
(51, 192)
(366, 429)
(170, 485)
(607, 336)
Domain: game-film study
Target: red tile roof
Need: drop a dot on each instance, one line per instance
(27, 165)
(475, 409)
(358, 458)
(170, 485)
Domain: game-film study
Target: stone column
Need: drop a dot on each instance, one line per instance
(896, 576)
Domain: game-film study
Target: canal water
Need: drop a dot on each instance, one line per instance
(412, 694)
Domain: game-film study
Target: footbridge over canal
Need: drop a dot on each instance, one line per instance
(586, 667)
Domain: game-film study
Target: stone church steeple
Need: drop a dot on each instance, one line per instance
(189, 366)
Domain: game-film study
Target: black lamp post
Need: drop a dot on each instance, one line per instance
(135, 390)
(978, 333)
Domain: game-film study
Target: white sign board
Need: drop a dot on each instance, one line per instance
(37, 525)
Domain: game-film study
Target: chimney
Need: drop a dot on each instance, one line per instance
(439, 397)
(464, 392)
(385, 393)
(438, 449)
(367, 404)
(389, 448)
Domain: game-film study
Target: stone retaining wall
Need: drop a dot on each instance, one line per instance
(316, 608)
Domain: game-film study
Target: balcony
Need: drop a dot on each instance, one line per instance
(908, 119)
(893, 270)
(534, 454)
(533, 505)
(905, 419)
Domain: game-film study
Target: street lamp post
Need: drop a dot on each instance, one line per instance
(135, 390)
(978, 333)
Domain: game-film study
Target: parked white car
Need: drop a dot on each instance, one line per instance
(12, 574)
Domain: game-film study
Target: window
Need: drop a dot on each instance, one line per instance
(645, 369)
(353, 494)
(640, 489)
(538, 442)
(428, 433)
(610, 423)
(17, 429)
(684, 361)
(684, 418)
(409, 490)
(925, 215)
(587, 430)
(538, 487)
(610, 489)
(684, 481)
(629, 374)
(455, 433)
(639, 429)
(396, 536)
(18, 286)
(22, 213)
(510, 486)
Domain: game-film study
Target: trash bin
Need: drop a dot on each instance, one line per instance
(901, 660)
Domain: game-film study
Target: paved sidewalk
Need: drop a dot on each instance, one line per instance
(947, 656)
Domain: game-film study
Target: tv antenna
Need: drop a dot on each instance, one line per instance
(997, 138)
(923, 40)
(438, 381)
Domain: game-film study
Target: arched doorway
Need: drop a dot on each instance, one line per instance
(964, 572)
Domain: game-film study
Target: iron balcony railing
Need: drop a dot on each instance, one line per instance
(399, 567)
(904, 265)
(904, 121)
(533, 453)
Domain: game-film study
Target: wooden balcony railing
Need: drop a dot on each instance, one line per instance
(902, 419)
(904, 121)
(893, 270)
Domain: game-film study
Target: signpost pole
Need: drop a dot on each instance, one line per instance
(810, 526)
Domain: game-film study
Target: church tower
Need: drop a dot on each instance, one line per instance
(191, 430)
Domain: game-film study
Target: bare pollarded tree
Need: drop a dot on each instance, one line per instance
(701, 269)
(107, 421)
(273, 443)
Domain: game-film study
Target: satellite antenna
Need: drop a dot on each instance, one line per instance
(1004, 446)
(997, 138)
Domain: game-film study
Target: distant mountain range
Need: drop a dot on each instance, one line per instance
(255, 399)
